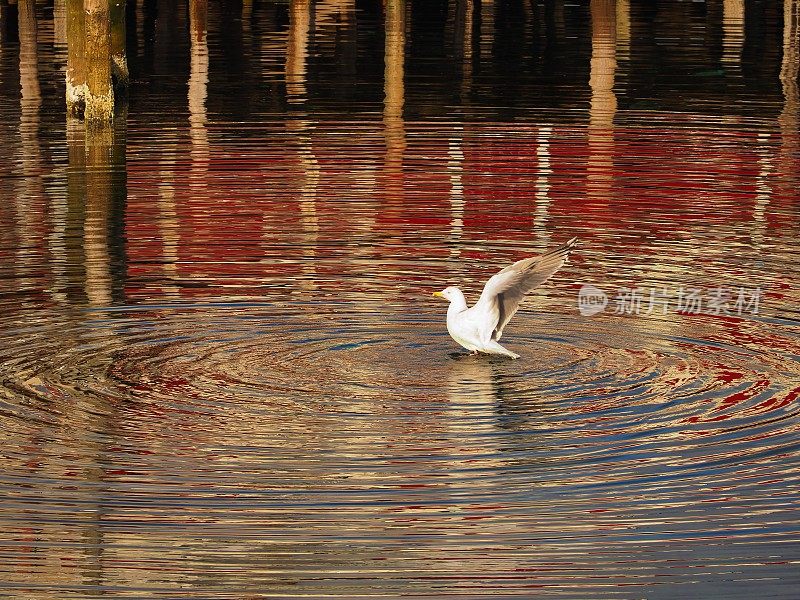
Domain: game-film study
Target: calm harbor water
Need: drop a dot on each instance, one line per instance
(221, 371)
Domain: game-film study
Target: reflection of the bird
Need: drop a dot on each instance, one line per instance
(478, 384)
(474, 383)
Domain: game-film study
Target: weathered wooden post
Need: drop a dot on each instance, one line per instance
(76, 58)
(99, 88)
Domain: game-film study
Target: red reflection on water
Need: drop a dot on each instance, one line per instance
(257, 219)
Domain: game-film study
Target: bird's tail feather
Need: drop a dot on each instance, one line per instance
(493, 347)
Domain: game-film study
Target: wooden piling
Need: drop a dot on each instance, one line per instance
(76, 58)
(99, 88)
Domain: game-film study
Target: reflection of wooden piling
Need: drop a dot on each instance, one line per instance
(76, 58)
(198, 92)
(463, 15)
(297, 50)
(99, 142)
(30, 186)
(394, 83)
(168, 222)
(732, 32)
(604, 101)
(789, 118)
(76, 207)
(99, 88)
(28, 60)
(487, 29)
(60, 23)
(300, 24)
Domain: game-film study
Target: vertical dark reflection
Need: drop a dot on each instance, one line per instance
(146, 31)
(461, 20)
(8, 22)
(133, 41)
(347, 43)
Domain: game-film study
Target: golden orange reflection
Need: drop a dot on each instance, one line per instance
(455, 168)
(487, 29)
(790, 68)
(603, 107)
(60, 24)
(99, 142)
(623, 29)
(297, 50)
(301, 132)
(198, 92)
(169, 227)
(732, 32)
(541, 186)
(394, 85)
(30, 187)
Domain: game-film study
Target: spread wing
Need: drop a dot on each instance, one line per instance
(505, 290)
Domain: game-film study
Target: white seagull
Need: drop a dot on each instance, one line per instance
(479, 329)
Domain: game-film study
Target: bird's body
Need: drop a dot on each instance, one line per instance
(480, 327)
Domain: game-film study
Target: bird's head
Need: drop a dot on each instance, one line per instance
(449, 293)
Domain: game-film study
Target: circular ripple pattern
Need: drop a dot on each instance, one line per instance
(339, 434)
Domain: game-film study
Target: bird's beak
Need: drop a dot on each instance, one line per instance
(438, 295)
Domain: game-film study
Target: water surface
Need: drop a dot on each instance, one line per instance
(221, 371)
